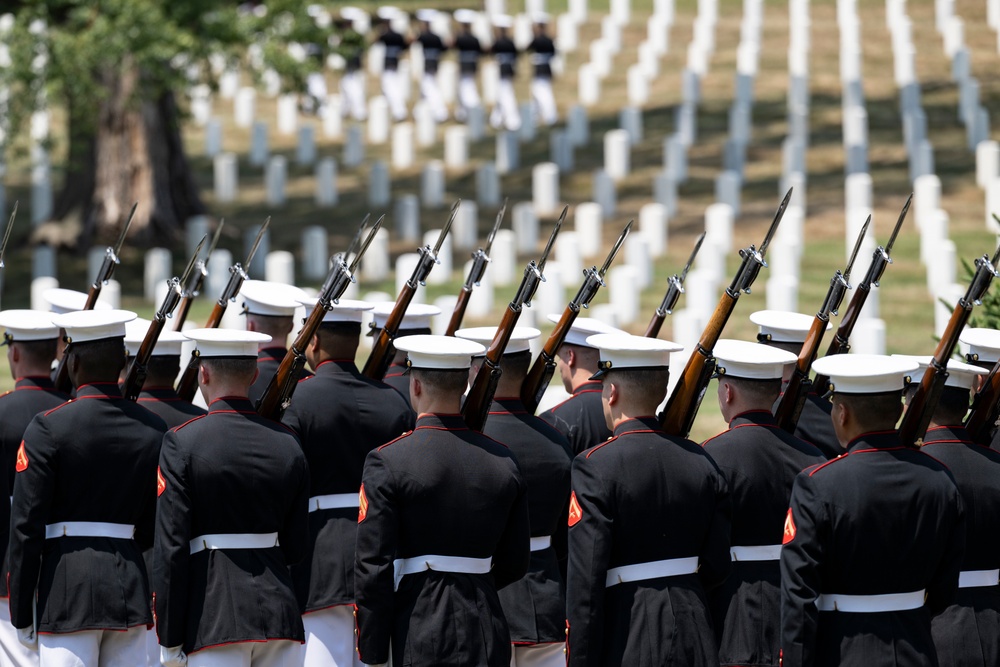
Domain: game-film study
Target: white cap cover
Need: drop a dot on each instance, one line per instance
(960, 375)
(865, 373)
(62, 300)
(503, 21)
(84, 326)
(623, 350)
(267, 298)
(227, 342)
(583, 328)
(353, 13)
(387, 13)
(27, 325)
(168, 343)
(750, 361)
(347, 310)
(417, 316)
(465, 15)
(540, 17)
(984, 345)
(783, 326)
(520, 338)
(427, 15)
(438, 352)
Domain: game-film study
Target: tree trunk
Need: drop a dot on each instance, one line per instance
(129, 151)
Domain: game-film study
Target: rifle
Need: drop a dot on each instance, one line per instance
(278, 394)
(480, 259)
(683, 404)
(6, 233)
(188, 383)
(192, 287)
(111, 260)
(880, 259)
(537, 380)
(675, 287)
(480, 397)
(137, 371)
(985, 411)
(790, 404)
(921, 405)
(380, 358)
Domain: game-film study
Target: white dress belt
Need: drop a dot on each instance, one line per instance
(656, 569)
(333, 501)
(870, 604)
(457, 564)
(763, 552)
(541, 543)
(117, 531)
(978, 578)
(234, 541)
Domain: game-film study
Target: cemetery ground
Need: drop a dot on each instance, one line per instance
(905, 303)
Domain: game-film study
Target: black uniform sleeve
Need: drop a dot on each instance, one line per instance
(33, 490)
(172, 544)
(944, 586)
(375, 552)
(589, 555)
(294, 536)
(513, 552)
(801, 557)
(715, 562)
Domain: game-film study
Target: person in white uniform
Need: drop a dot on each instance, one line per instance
(469, 51)
(505, 112)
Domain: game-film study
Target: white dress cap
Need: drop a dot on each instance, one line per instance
(84, 326)
(426, 15)
(783, 326)
(520, 338)
(227, 342)
(583, 328)
(960, 375)
(387, 13)
(261, 297)
(865, 373)
(750, 361)
(417, 316)
(623, 350)
(984, 345)
(27, 325)
(540, 17)
(168, 343)
(353, 13)
(63, 300)
(347, 310)
(465, 16)
(503, 21)
(438, 352)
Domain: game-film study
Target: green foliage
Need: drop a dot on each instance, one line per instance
(988, 314)
(170, 43)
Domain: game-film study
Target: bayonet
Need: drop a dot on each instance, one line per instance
(779, 214)
(552, 241)
(128, 223)
(899, 224)
(357, 237)
(256, 242)
(615, 248)
(193, 260)
(496, 227)
(694, 253)
(857, 248)
(368, 242)
(6, 233)
(215, 239)
(446, 228)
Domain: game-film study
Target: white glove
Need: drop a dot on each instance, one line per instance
(173, 656)
(28, 637)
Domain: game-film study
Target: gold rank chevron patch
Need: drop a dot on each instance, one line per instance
(22, 459)
(789, 528)
(575, 511)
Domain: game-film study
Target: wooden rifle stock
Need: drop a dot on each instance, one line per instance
(273, 401)
(458, 314)
(480, 398)
(139, 367)
(541, 371)
(790, 404)
(655, 324)
(188, 384)
(985, 409)
(382, 350)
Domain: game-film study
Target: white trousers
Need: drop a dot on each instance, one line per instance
(330, 638)
(392, 89)
(93, 648)
(152, 648)
(431, 91)
(275, 653)
(12, 651)
(545, 103)
(506, 113)
(538, 655)
(468, 95)
(352, 91)
(316, 89)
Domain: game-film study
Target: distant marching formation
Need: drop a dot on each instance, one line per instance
(352, 45)
(415, 511)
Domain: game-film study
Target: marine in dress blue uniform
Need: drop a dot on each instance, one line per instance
(649, 523)
(339, 415)
(535, 605)
(760, 462)
(984, 352)
(874, 540)
(416, 322)
(158, 394)
(443, 524)
(270, 310)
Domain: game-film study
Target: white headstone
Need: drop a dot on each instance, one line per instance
(868, 337)
(943, 269)
(326, 182)
(288, 114)
(405, 264)
(476, 123)
(43, 263)
(225, 171)
(402, 146)
(578, 126)
(305, 151)
(41, 193)
(858, 191)
(442, 271)
(432, 184)
(782, 293)
(561, 150)
(727, 190)
(257, 266)
(39, 286)
(992, 205)
(481, 301)
(279, 267)
(545, 188)
(354, 147)
(213, 137)
(195, 229)
(157, 270)
(623, 294)
(112, 293)
(378, 184)
(926, 198)
(588, 85)
(375, 263)
(630, 120)
(508, 152)
(719, 220)
(551, 294)
(274, 177)
(675, 158)
(653, 225)
(525, 225)
(378, 120)
(603, 190)
(503, 257)
(528, 123)
(934, 232)
(465, 230)
(315, 255)
(258, 144)
(617, 154)
(638, 85)
(487, 185)
(588, 222)
(426, 125)
(456, 147)
(566, 33)
(665, 191)
(637, 256)
(333, 118)
(244, 107)
(568, 254)
(987, 162)
(407, 218)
